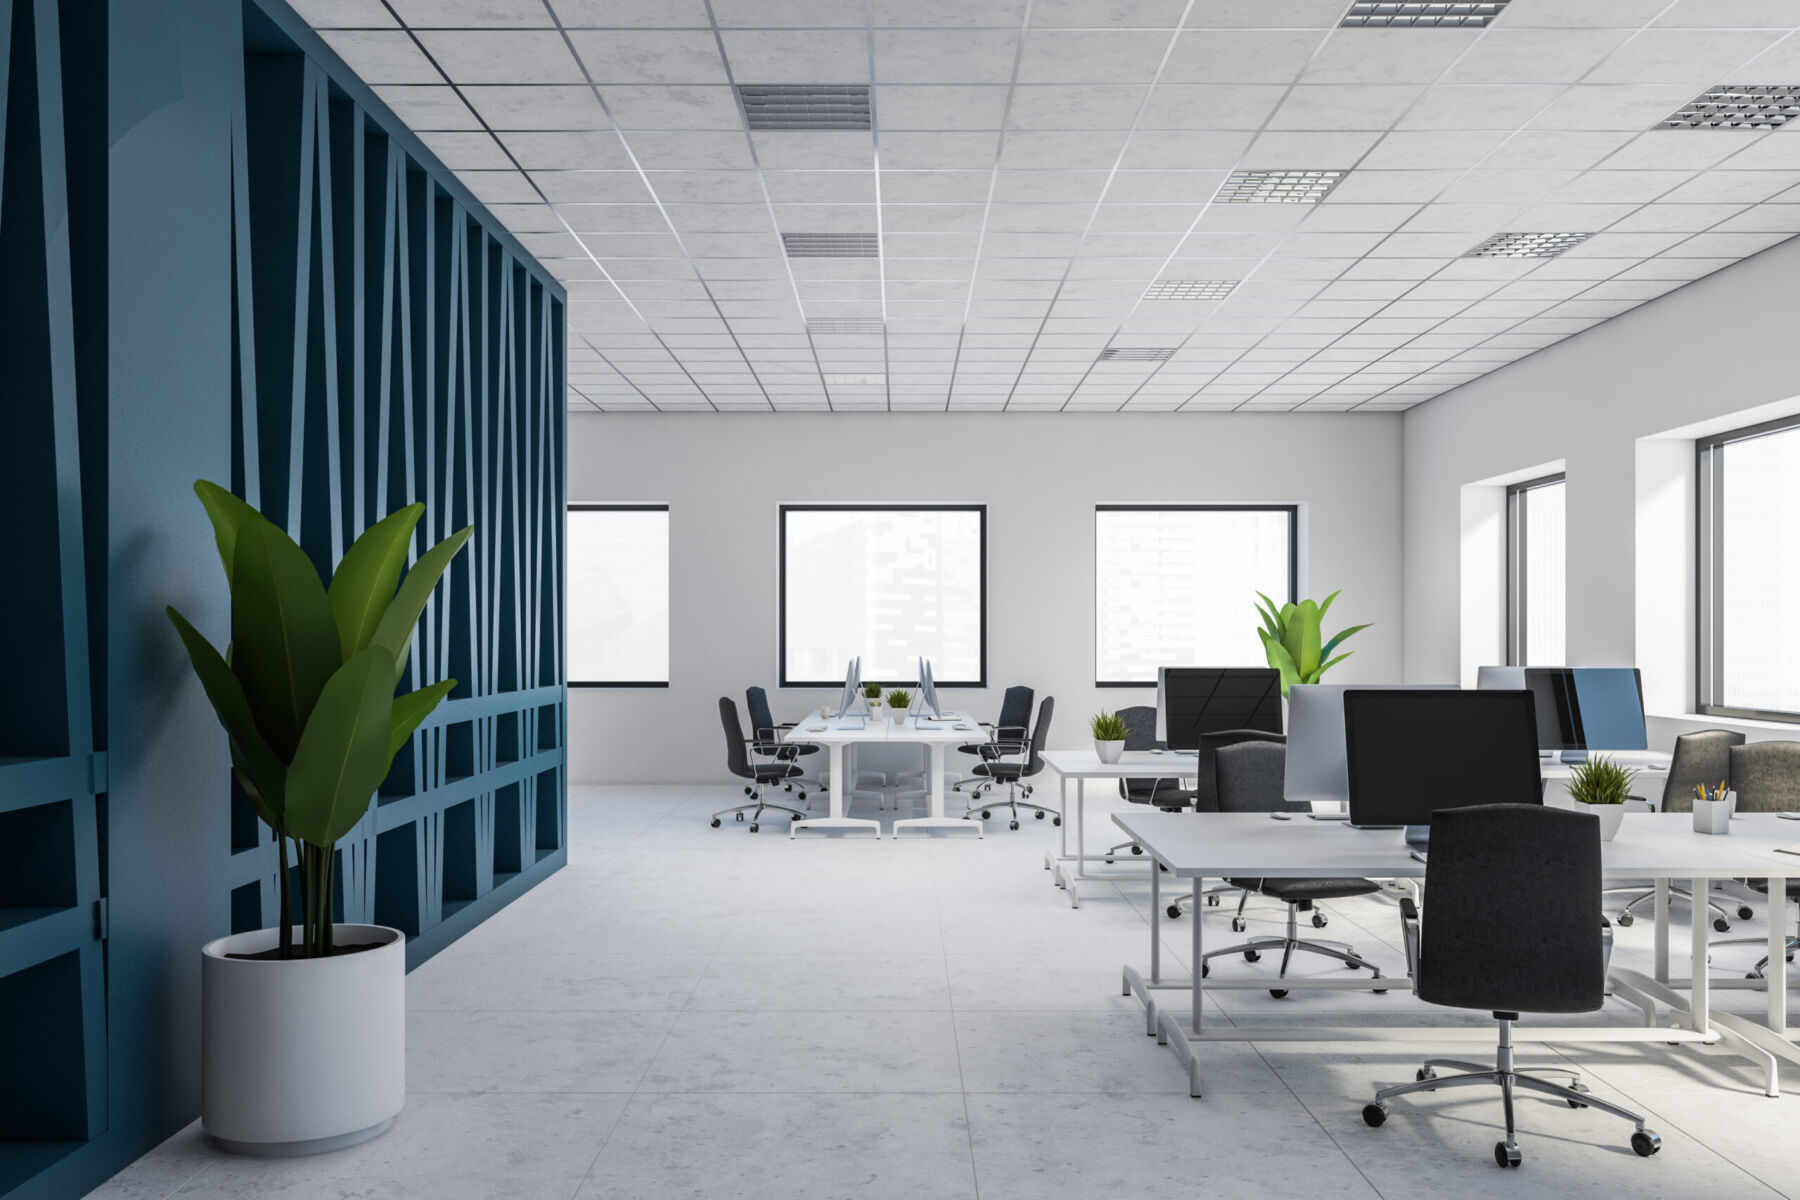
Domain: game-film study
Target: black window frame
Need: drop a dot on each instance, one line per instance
(781, 611)
(1709, 571)
(575, 506)
(1293, 565)
(1518, 500)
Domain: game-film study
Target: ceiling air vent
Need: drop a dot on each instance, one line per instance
(1278, 187)
(1190, 289)
(845, 327)
(1421, 13)
(1527, 245)
(831, 245)
(1738, 106)
(1136, 353)
(805, 106)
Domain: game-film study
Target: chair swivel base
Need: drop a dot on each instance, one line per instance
(1761, 969)
(1720, 923)
(760, 807)
(1253, 950)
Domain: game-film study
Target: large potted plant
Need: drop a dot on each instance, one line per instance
(303, 1036)
(1294, 643)
(1602, 786)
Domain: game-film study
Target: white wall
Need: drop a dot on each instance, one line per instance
(1041, 475)
(1618, 405)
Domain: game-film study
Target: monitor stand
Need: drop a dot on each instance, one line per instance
(1418, 836)
(1574, 756)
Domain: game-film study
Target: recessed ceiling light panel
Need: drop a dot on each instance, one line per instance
(841, 326)
(1136, 353)
(1190, 289)
(805, 106)
(832, 245)
(1738, 106)
(1278, 187)
(1527, 245)
(1426, 13)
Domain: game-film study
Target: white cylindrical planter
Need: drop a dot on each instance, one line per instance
(303, 1055)
(1109, 752)
(1611, 817)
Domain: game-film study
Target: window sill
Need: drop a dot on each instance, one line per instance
(1748, 724)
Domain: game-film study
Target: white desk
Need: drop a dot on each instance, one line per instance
(1083, 765)
(1196, 846)
(936, 736)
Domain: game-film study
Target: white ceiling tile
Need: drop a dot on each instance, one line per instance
(428, 108)
(1307, 151)
(639, 107)
(382, 56)
(1410, 150)
(933, 56)
(625, 14)
(690, 150)
(1724, 187)
(492, 14)
(669, 56)
(1685, 149)
(503, 56)
(1241, 56)
(1344, 106)
(792, 13)
(541, 106)
(327, 14)
(939, 151)
(1779, 151)
(1191, 150)
(1625, 106)
(904, 107)
(1080, 149)
(466, 150)
(1076, 106)
(1100, 55)
(567, 151)
(1692, 57)
(1479, 106)
(835, 151)
(1554, 150)
(820, 187)
(1535, 55)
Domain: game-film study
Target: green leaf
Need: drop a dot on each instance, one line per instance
(1326, 606)
(365, 579)
(1280, 660)
(259, 770)
(394, 631)
(343, 753)
(228, 514)
(1328, 647)
(1268, 617)
(284, 642)
(1302, 639)
(411, 710)
(1324, 667)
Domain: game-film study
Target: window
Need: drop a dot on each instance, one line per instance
(1175, 586)
(889, 583)
(1749, 572)
(1535, 607)
(618, 595)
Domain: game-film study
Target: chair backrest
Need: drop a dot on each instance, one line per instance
(737, 757)
(1703, 757)
(1249, 776)
(1512, 910)
(1039, 733)
(762, 721)
(1015, 708)
(1206, 771)
(1140, 734)
(1766, 776)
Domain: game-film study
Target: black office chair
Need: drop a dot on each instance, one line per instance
(1014, 760)
(741, 759)
(1164, 794)
(1549, 956)
(1766, 778)
(1015, 719)
(767, 733)
(1250, 777)
(1206, 799)
(1703, 757)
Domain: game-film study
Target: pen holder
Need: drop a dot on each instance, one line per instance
(1712, 816)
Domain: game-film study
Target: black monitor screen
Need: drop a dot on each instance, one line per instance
(1411, 753)
(1588, 708)
(1558, 725)
(1199, 700)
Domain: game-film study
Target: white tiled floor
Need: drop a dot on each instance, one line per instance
(696, 1012)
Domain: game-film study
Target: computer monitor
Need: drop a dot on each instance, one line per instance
(1506, 679)
(1580, 708)
(1191, 701)
(928, 689)
(852, 688)
(1316, 771)
(1412, 751)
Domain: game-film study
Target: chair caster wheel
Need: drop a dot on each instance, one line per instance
(1374, 1116)
(1040, 816)
(1645, 1143)
(1238, 925)
(1424, 1073)
(740, 816)
(1320, 921)
(748, 792)
(1012, 825)
(1745, 912)
(753, 827)
(986, 815)
(1625, 919)
(1721, 925)
(1505, 1157)
(1212, 902)
(1350, 966)
(1107, 861)
(1056, 821)
(1174, 912)
(1278, 993)
(1252, 956)
(715, 822)
(1751, 975)
(1137, 849)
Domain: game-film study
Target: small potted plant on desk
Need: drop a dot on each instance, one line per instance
(872, 694)
(1604, 786)
(303, 1025)
(899, 703)
(1108, 729)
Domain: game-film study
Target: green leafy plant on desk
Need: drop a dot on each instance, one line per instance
(1600, 780)
(1107, 726)
(1294, 643)
(871, 691)
(899, 700)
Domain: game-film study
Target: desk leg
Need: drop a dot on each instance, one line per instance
(837, 819)
(1080, 828)
(1196, 965)
(1699, 982)
(1662, 930)
(1155, 951)
(935, 753)
(1062, 806)
(1777, 957)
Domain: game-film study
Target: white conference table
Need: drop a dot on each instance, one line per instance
(836, 733)
(1196, 846)
(1083, 765)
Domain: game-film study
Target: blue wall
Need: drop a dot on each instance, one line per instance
(221, 257)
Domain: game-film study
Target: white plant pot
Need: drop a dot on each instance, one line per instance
(1611, 817)
(1109, 751)
(303, 1055)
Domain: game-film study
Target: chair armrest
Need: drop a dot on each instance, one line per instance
(1409, 932)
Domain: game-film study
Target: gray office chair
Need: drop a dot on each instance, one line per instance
(1250, 776)
(767, 733)
(1549, 956)
(1015, 760)
(1206, 799)
(741, 759)
(1015, 719)
(1766, 777)
(1702, 757)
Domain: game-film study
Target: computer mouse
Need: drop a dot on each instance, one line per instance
(1156, 750)
(1281, 816)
